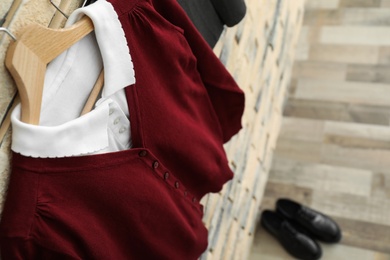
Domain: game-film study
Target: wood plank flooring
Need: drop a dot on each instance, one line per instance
(333, 152)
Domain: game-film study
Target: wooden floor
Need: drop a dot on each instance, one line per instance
(333, 153)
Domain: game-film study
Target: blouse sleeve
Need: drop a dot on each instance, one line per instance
(226, 97)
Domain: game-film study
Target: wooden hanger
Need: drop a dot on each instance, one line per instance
(28, 57)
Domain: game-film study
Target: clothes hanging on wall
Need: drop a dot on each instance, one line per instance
(210, 16)
(143, 202)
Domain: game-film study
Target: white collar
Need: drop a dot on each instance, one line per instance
(84, 135)
(87, 133)
(118, 67)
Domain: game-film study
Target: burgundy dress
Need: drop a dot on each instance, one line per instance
(141, 203)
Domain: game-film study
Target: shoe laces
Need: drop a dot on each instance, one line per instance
(307, 214)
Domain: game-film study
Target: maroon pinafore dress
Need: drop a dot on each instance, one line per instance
(141, 203)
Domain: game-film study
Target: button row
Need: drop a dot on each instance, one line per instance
(118, 123)
(166, 175)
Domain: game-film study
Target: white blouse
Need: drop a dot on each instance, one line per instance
(69, 79)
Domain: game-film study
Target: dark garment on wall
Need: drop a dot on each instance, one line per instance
(231, 12)
(210, 16)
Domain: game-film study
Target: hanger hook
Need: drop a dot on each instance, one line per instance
(3, 29)
(58, 9)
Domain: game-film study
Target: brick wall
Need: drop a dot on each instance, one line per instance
(259, 53)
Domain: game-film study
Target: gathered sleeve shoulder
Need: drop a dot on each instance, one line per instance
(227, 98)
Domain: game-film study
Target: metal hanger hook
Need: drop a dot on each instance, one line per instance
(58, 9)
(2, 29)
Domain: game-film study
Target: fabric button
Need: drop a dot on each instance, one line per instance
(185, 193)
(166, 176)
(193, 199)
(116, 121)
(155, 164)
(111, 111)
(122, 130)
(142, 153)
(177, 185)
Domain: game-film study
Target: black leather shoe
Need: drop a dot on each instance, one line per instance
(319, 225)
(296, 243)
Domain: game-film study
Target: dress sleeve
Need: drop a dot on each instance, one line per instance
(226, 97)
